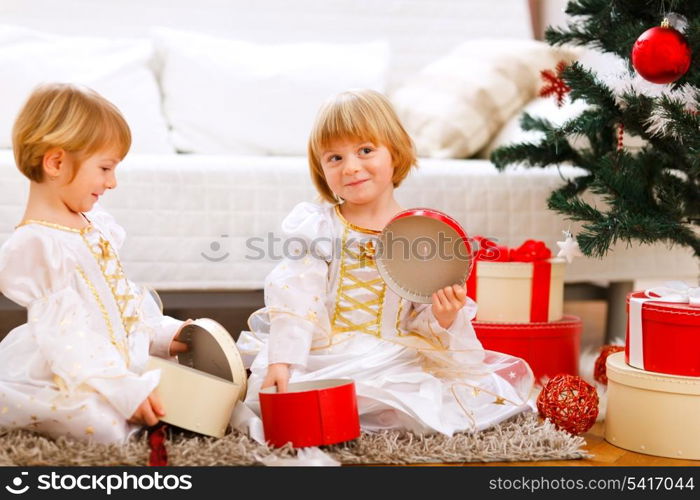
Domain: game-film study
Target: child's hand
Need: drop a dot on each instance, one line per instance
(447, 302)
(176, 346)
(150, 411)
(277, 374)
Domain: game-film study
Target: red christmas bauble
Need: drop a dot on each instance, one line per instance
(661, 55)
(569, 402)
(599, 372)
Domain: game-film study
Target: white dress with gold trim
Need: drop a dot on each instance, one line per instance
(77, 367)
(329, 314)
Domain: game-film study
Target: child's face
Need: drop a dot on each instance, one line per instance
(358, 171)
(95, 176)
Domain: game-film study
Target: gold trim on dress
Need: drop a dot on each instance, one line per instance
(103, 257)
(104, 248)
(398, 317)
(354, 226)
(53, 225)
(367, 251)
(122, 346)
(345, 304)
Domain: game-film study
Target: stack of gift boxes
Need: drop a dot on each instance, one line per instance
(520, 297)
(654, 386)
(653, 395)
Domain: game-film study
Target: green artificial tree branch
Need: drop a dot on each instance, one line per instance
(646, 194)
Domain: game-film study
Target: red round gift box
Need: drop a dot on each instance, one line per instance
(671, 335)
(549, 348)
(310, 413)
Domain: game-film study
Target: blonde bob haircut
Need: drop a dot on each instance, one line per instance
(363, 115)
(71, 117)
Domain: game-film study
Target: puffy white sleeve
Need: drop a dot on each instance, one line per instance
(460, 337)
(296, 289)
(162, 329)
(38, 274)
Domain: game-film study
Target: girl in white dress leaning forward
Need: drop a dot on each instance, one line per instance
(77, 367)
(328, 314)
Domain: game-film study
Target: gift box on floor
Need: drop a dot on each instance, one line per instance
(518, 285)
(663, 331)
(549, 348)
(314, 413)
(652, 413)
(200, 391)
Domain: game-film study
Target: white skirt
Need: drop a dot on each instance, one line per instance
(29, 398)
(393, 390)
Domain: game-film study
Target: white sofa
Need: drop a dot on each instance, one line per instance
(204, 220)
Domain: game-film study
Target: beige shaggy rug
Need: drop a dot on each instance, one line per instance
(522, 438)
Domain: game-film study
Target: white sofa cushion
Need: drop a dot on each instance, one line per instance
(116, 68)
(229, 96)
(457, 103)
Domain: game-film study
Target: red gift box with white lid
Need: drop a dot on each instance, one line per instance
(663, 330)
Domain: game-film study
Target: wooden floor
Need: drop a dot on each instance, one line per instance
(604, 454)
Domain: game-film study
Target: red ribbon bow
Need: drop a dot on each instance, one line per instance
(158, 455)
(529, 251)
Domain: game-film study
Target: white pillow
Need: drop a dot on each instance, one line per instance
(457, 103)
(117, 69)
(227, 96)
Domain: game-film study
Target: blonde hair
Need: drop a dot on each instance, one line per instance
(73, 118)
(363, 115)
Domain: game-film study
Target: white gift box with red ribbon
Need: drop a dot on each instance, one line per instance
(517, 285)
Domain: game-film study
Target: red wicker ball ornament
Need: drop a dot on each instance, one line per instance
(599, 373)
(661, 54)
(569, 402)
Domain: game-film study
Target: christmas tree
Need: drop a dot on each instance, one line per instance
(649, 194)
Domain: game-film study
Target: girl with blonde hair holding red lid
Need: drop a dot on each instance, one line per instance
(329, 315)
